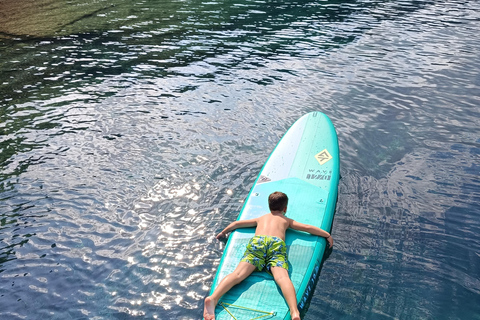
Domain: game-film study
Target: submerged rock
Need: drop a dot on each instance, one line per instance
(46, 18)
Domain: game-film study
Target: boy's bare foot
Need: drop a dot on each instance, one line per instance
(295, 316)
(209, 309)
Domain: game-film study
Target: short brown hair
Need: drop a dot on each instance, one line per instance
(277, 201)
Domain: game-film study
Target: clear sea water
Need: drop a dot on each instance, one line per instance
(131, 132)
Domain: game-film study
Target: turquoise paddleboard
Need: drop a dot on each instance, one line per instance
(306, 166)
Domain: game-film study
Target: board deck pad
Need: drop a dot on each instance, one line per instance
(304, 165)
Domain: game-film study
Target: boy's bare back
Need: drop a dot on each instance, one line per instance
(272, 224)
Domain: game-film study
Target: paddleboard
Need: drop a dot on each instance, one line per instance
(305, 165)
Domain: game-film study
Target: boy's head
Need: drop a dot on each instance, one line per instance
(277, 201)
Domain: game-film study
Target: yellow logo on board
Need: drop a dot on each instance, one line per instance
(323, 157)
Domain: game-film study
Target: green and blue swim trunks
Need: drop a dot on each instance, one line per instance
(266, 251)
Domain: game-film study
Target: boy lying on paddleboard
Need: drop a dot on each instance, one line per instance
(266, 249)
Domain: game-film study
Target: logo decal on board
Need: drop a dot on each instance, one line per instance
(319, 174)
(323, 157)
(263, 179)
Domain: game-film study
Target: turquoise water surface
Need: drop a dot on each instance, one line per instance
(132, 131)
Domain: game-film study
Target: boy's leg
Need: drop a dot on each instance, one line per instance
(283, 280)
(243, 270)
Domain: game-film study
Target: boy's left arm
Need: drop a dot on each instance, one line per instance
(312, 230)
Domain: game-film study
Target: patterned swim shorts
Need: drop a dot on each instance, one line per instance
(266, 251)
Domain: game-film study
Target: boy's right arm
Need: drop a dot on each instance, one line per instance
(235, 225)
(312, 230)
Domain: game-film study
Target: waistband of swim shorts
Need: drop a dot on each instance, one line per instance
(269, 238)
